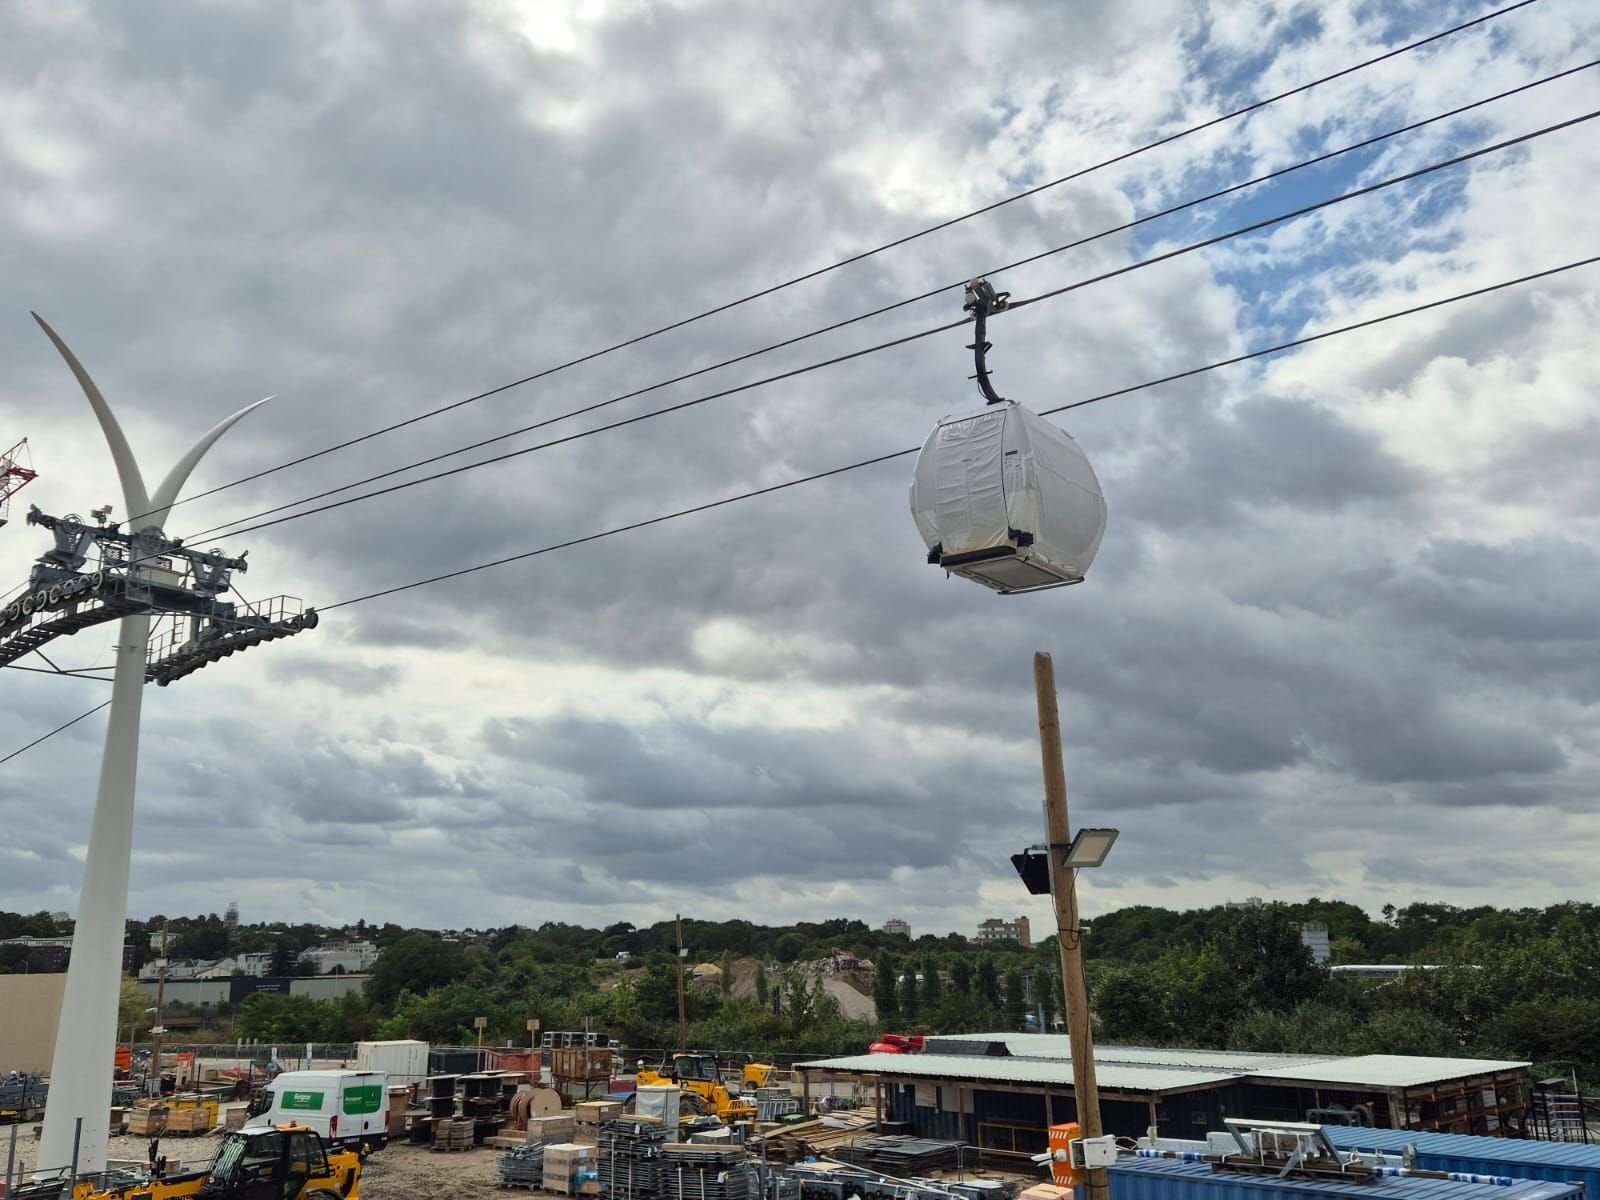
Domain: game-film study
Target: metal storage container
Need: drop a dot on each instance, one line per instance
(1559, 1161)
(1170, 1179)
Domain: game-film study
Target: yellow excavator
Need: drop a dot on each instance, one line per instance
(699, 1076)
(286, 1162)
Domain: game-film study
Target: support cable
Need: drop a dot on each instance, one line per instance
(897, 454)
(53, 732)
(1125, 156)
(1364, 144)
(1012, 306)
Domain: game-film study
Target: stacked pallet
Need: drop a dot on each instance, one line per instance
(560, 1128)
(630, 1159)
(901, 1155)
(569, 1169)
(819, 1138)
(452, 1134)
(699, 1172)
(523, 1167)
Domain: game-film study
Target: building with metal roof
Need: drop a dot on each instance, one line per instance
(1000, 1092)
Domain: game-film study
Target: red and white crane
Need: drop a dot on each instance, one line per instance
(14, 475)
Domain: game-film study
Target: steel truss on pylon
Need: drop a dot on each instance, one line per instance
(141, 572)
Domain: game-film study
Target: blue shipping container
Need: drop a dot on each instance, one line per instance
(1559, 1161)
(1170, 1179)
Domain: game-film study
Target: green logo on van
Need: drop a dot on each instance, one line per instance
(361, 1100)
(301, 1101)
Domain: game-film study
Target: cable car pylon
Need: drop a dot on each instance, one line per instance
(140, 574)
(1001, 496)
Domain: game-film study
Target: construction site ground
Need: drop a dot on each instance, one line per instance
(399, 1172)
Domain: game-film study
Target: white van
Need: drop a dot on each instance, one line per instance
(348, 1108)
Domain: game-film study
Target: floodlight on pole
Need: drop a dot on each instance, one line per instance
(141, 575)
(1089, 848)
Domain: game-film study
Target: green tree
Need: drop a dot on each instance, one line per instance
(986, 982)
(417, 962)
(884, 993)
(932, 985)
(1274, 969)
(788, 948)
(1016, 999)
(961, 975)
(908, 991)
(761, 984)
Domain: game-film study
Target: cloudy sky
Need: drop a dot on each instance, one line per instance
(1340, 638)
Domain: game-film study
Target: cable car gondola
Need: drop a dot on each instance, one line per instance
(1001, 496)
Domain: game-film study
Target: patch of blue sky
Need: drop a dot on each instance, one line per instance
(1238, 77)
(1280, 294)
(1273, 288)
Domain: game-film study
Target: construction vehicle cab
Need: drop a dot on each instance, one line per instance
(699, 1076)
(270, 1164)
(288, 1162)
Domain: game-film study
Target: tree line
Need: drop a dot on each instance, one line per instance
(1484, 982)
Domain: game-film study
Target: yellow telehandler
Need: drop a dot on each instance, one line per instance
(285, 1162)
(698, 1075)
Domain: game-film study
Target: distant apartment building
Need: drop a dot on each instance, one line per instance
(341, 958)
(47, 954)
(50, 953)
(896, 925)
(997, 929)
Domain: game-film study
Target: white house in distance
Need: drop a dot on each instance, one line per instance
(341, 958)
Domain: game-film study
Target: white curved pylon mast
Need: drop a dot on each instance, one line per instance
(86, 1038)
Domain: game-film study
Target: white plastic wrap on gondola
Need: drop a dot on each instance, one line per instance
(1005, 498)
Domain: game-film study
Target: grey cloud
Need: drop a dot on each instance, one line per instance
(375, 211)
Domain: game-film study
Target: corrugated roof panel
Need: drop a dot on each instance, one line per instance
(1055, 1045)
(1389, 1070)
(1563, 1161)
(1115, 1077)
(1169, 1179)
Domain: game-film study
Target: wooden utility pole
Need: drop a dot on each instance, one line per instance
(683, 1011)
(1069, 934)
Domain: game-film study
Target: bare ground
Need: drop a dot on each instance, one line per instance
(399, 1172)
